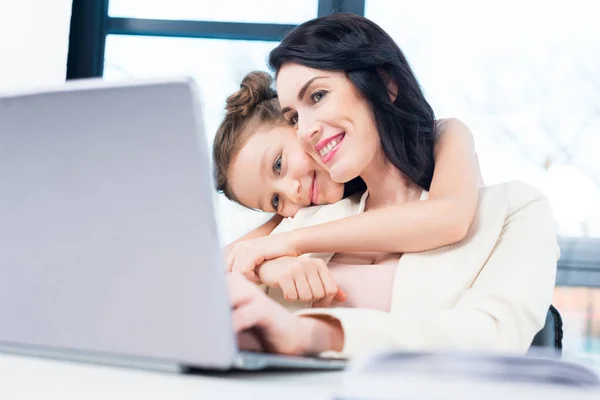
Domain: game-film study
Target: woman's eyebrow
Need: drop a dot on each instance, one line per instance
(303, 90)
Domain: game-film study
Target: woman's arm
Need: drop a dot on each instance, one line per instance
(503, 310)
(414, 226)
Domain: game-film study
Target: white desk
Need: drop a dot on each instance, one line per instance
(36, 378)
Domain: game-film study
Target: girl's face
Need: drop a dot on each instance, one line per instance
(334, 123)
(273, 173)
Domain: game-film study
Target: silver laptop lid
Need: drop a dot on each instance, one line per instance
(108, 240)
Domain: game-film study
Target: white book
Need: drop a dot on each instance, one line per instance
(454, 375)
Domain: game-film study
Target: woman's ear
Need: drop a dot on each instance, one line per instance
(392, 90)
(392, 87)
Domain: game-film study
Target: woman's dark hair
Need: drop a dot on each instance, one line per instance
(378, 70)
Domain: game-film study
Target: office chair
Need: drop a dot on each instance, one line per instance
(551, 335)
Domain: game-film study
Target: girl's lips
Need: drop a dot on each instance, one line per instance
(314, 191)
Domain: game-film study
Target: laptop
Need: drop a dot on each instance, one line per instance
(109, 249)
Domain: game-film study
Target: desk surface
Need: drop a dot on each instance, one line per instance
(24, 377)
(28, 377)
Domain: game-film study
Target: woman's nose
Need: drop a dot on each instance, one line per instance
(308, 133)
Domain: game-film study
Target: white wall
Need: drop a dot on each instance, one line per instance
(34, 42)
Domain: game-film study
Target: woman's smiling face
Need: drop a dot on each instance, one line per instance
(334, 123)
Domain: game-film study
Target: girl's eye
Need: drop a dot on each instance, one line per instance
(275, 202)
(294, 120)
(277, 165)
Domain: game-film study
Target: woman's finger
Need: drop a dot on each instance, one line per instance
(241, 291)
(248, 315)
(249, 340)
(288, 287)
(304, 292)
(316, 285)
(328, 283)
(331, 289)
(340, 296)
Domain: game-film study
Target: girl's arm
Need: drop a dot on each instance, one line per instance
(443, 219)
(263, 230)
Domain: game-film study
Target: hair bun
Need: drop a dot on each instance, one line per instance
(254, 89)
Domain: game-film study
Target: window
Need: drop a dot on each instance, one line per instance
(580, 311)
(264, 11)
(218, 67)
(521, 75)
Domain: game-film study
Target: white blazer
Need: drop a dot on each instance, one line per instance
(489, 291)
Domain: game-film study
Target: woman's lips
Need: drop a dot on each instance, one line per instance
(328, 147)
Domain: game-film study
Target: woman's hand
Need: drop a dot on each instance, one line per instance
(245, 256)
(301, 278)
(276, 329)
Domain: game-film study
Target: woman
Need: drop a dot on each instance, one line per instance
(344, 84)
(260, 164)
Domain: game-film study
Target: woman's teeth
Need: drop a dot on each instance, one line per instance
(326, 149)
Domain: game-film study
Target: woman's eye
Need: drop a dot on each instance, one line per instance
(275, 202)
(317, 96)
(277, 165)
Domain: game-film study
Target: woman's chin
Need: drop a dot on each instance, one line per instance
(341, 175)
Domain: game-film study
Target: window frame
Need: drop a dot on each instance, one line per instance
(91, 24)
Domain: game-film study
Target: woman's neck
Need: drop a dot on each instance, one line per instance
(387, 185)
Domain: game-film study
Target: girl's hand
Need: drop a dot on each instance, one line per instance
(246, 255)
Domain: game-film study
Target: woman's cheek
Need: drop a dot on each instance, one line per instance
(316, 159)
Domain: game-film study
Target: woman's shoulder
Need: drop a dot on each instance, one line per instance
(514, 194)
(514, 189)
